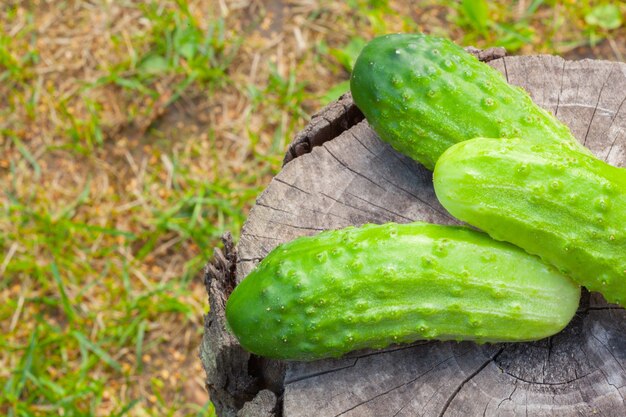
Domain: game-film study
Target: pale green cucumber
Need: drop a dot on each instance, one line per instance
(369, 287)
(423, 94)
(565, 206)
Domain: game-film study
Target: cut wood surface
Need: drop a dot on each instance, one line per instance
(339, 173)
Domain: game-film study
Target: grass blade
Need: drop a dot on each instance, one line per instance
(96, 350)
(65, 302)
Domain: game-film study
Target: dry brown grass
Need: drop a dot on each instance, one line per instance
(127, 152)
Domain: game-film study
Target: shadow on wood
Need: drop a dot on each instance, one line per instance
(338, 173)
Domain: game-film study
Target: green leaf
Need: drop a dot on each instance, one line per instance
(26, 365)
(139, 345)
(477, 12)
(349, 53)
(97, 350)
(133, 84)
(188, 50)
(607, 16)
(67, 306)
(185, 42)
(335, 92)
(154, 64)
(126, 408)
(513, 37)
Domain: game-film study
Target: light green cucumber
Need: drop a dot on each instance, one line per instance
(369, 287)
(423, 94)
(567, 207)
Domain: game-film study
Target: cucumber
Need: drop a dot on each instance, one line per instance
(423, 94)
(565, 206)
(372, 286)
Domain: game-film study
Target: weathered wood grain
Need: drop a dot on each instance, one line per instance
(325, 125)
(354, 178)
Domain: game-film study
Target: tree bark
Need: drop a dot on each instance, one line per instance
(339, 173)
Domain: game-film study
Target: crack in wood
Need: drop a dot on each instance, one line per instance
(542, 383)
(558, 98)
(404, 384)
(343, 203)
(586, 106)
(426, 203)
(509, 398)
(485, 410)
(466, 380)
(393, 348)
(360, 356)
(393, 184)
(415, 196)
(526, 404)
(506, 72)
(597, 103)
(387, 149)
(261, 237)
(323, 213)
(546, 362)
(380, 207)
(253, 259)
(295, 226)
(610, 352)
(612, 384)
(407, 402)
(260, 204)
(430, 399)
(320, 373)
(278, 179)
(355, 137)
(324, 126)
(352, 170)
(619, 108)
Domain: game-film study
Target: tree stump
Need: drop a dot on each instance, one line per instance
(337, 173)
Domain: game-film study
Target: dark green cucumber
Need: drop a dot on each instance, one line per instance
(423, 94)
(369, 287)
(567, 207)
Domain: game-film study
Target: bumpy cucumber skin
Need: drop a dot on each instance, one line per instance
(423, 94)
(369, 287)
(567, 207)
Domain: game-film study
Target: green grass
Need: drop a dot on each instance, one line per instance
(121, 168)
(79, 330)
